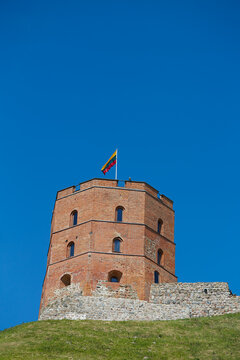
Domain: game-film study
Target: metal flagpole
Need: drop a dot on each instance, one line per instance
(116, 164)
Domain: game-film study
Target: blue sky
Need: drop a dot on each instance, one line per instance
(160, 81)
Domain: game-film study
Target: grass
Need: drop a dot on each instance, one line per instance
(216, 338)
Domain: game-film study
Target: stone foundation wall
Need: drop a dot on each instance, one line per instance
(114, 290)
(167, 302)
(190, 293)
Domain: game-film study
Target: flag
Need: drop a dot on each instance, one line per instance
(110, 163)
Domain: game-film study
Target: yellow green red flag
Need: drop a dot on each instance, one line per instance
(110, 163)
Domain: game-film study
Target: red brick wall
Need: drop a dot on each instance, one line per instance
(154, 210)
(154, 242)
(94, 233)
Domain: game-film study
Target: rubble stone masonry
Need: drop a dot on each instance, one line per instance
(168, 301)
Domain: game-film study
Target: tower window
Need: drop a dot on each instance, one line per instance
(65, 280)
(73, 218)
(119, 214)
(159, 257)
(159, 228)
(70, 249)
(156, 277)
(116, 245)
(114, 276)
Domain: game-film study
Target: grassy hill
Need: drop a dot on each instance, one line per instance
(203, 338)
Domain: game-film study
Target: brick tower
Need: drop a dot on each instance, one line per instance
(123, 235)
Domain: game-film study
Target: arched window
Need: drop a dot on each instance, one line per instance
(159, 256)
(114, 276)
(73, 218)
(65, 280)
(159, 228)
(70, 249)
(156, 277)
(116, 245)
(119, 214)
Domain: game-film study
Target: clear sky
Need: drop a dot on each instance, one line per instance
(157, 79)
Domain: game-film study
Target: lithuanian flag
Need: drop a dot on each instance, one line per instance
(112, 161)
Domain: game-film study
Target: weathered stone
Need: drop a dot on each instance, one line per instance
(168, 301)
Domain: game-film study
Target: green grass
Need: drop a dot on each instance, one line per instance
(215, 338)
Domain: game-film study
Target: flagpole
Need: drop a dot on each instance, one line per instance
(116, 165)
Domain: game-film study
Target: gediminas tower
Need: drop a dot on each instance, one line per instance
(118, 232)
